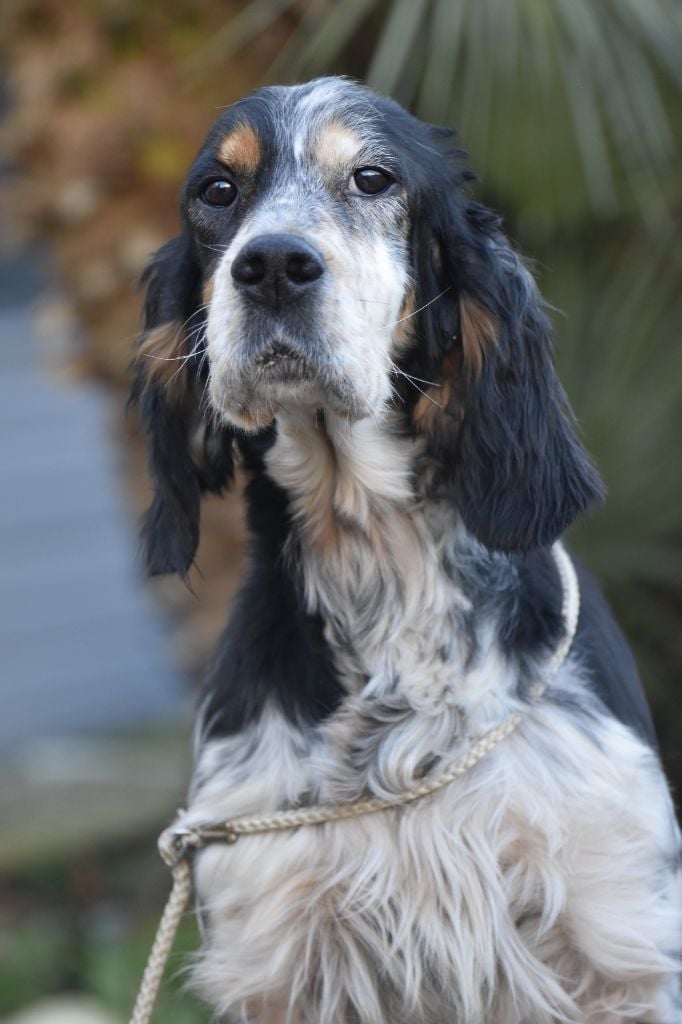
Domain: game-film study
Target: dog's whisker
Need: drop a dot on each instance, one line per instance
(411, 377)
(431, 383)
(408, 316)
(214, 248)
(411, 381)
(167, 359)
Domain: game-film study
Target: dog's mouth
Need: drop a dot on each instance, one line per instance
(280, 374)
(281, 363)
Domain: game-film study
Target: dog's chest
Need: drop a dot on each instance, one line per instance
(438, 907)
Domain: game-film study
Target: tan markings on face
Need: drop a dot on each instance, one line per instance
(438, 402)
(241, 149)
(479, 333)
(404, 335)
(336, 146)
(207, 291)
(162, 350)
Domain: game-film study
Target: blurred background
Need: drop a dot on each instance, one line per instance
(571, 112)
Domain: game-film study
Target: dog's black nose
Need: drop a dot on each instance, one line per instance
(277, 269)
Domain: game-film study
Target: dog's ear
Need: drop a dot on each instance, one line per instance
(188, 451)
(500, 422)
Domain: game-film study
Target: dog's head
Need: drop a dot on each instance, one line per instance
(331, 260)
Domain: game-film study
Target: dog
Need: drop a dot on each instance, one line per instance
(341, 316)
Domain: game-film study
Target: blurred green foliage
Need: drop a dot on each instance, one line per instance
(91, 942)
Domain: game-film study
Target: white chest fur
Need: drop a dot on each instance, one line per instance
(525, 891)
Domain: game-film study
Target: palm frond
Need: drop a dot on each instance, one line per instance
(563, 102)
(621, 361)
(322, 34)
(404, 22)
(623, 369)
(238, 32)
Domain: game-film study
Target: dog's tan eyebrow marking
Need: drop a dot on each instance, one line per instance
(336, 145)
(241, 148)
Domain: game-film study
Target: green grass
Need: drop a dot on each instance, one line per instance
(87, 927)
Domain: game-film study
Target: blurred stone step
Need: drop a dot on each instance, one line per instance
(64, 1010)
(84, 655)
(60, 796)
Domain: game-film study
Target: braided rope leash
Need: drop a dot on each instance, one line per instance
(165, 935)
(177, 843)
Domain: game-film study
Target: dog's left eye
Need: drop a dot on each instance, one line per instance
(369, 181)
(219, 193)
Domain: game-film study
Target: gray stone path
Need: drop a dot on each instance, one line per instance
(80, 645)
(84, 657)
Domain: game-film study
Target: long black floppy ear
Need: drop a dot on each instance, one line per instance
(505, 431)
(188, 451)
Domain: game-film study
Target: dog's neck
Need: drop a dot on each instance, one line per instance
(390, 570)
(430, 637)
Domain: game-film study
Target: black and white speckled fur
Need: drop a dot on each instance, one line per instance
(400, 600)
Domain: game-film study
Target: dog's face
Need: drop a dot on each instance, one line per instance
(299, 205)
(330, 261)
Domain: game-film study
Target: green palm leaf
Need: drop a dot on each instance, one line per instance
(563, 102)
(622, 367)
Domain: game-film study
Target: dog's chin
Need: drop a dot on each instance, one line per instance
(262, 394)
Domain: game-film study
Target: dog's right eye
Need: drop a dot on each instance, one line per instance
(220, 192)
(369, 181)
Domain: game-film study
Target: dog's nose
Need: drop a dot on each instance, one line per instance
(277, 269)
